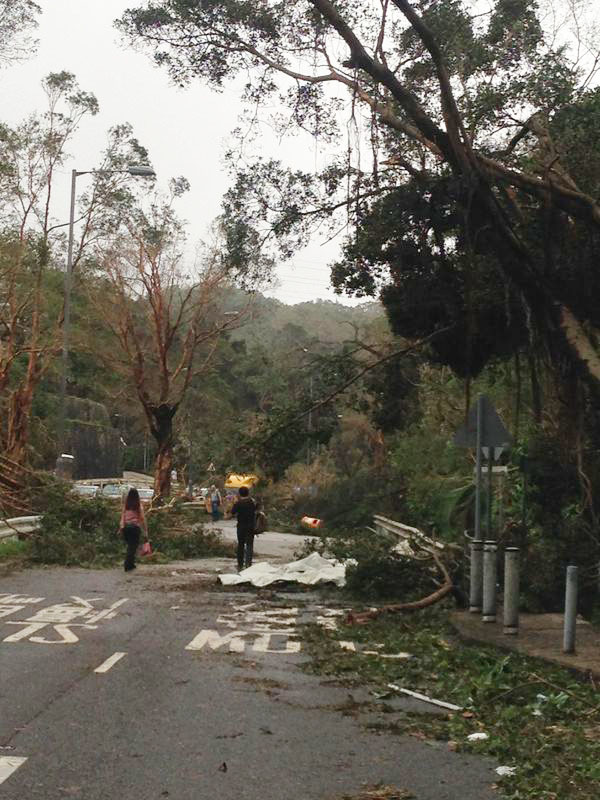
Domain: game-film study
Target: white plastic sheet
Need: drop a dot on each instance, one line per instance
(310, 570)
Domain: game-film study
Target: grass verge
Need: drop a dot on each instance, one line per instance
(538, 718)
(13, 554)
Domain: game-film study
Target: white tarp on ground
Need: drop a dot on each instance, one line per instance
(310, 570)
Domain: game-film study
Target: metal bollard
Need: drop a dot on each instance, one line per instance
(489, 581)
(511, 590)
(476, 578)
(570, 611)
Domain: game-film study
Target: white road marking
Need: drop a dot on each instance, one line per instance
(8, 765)
(107, 613)
(110, 662)
(215, 640)
(261, 645)
(24, 632)
(86, 603)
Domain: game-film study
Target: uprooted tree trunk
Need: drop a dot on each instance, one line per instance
(415, 605)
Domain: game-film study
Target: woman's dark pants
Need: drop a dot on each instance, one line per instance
(131, 534)
(215, 510)
(245, 548)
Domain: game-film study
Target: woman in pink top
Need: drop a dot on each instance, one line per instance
(132, 523)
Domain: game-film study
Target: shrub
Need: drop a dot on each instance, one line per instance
(195, 543)
(75, 530)
(85, 532)
(388, 577)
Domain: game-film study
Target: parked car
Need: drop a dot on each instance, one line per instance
(146, 493)
(85, 489)
(113, 491)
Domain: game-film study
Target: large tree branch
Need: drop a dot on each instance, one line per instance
(362, 60)
(452, 117)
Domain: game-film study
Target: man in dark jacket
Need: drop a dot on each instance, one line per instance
(245, 511)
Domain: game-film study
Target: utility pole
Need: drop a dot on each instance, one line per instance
(310, 393)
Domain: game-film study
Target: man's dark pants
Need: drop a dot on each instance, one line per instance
(245, 548)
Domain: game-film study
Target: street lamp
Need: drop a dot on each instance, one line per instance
(137, 170)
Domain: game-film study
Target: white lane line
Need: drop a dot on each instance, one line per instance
(110, 662)
(8, 765)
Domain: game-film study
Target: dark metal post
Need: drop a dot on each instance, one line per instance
(479, 439)
(476, 577)
(490, 493)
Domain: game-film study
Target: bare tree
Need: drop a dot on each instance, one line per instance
(164, 318)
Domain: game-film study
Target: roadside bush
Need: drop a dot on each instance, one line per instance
(379, 573)
(195, 543)
(553, 527)
(85, 532)
(388, 577)
(76, 531)
(12, 550)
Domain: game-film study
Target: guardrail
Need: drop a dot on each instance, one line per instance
(11, 528)
(407, 534)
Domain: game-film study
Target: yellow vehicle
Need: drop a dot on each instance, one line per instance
(236, 481)
(233, 482)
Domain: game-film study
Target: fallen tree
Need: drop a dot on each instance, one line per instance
(415, 605)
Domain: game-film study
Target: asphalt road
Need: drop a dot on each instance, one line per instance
(207, 701)
(269, 545)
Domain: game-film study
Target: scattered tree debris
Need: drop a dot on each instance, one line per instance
(414, 605)
(380, 793)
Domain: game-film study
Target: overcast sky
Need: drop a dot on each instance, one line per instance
(186, 131)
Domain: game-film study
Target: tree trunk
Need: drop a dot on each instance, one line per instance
(19, 413)
(162, 431)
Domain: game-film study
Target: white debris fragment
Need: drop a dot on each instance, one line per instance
(505, 772)
(327, 623)
(477, 737)
(395, 655)
(424, 698)
(386, 655)
(348, 646)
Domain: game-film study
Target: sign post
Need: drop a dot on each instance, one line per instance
(485, 431)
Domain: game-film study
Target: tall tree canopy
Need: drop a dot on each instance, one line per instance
(480, 205)
(17, 19)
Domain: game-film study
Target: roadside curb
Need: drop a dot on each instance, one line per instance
(539, 638)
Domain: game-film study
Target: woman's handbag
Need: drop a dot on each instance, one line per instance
(146, 548)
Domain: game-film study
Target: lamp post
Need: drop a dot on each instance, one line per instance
(65, 465)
